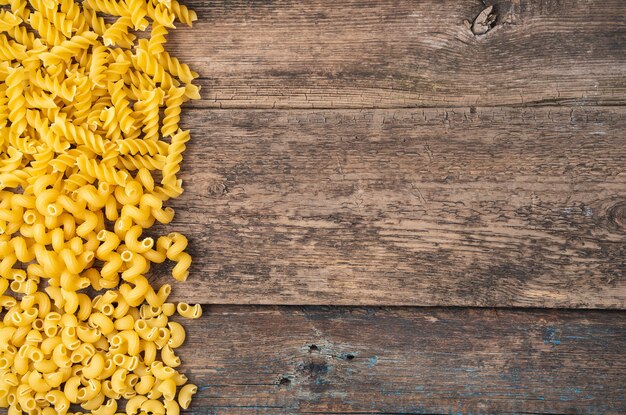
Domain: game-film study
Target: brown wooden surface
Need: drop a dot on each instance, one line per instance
(400, 53)
(464, 204)
(269, 360)
(472, 207)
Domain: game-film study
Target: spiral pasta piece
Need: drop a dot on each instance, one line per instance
(117, 32)
(124, 113)
(58, 19)
(101, 172)
(149, 109)
(106, 6)
(17, 102)
(69, 48)
(8, 20)
(183, 13)
(135, 146)
(160, 13)
(39, 99)
(73, 13)
(174, 157)
(22, 35)
(157, 39)
(18, 7)
(175, 96)
(152, 67)
(4, 107)
(65, 89)
(49, 34)
(138, 13)
(79, 135)
(176, 68)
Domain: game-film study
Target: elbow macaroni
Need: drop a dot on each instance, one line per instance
(84, 104)
(185, 394)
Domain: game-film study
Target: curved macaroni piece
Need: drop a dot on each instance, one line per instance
(134, 404)
(185, 394)
(169, 358)
(153, 406)
(108, 409)
(177, 334)
(94, 366)
(189, 311)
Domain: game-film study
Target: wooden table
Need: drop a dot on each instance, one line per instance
(395, 207)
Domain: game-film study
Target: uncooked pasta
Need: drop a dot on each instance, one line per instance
(90, 152)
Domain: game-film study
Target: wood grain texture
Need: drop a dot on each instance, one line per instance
(400, 53)
(291, 360)
(466, 207)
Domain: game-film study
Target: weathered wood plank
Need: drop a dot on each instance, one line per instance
(271, 360)
(469, 207)
(400, 53)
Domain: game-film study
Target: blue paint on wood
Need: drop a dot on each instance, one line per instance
(571, 337)
(571, 395)
(552, 336)
(372, 361)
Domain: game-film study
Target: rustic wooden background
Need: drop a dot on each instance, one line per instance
(391, 212)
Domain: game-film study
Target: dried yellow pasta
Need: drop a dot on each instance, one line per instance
(90, 152)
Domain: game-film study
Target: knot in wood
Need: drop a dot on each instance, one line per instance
(217, 189)
(484, 22)
(617, 215)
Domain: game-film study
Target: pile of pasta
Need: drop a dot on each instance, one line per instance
(90, 150)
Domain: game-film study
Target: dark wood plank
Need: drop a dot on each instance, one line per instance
(469, 207)
(291, 360)
(401, 53)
